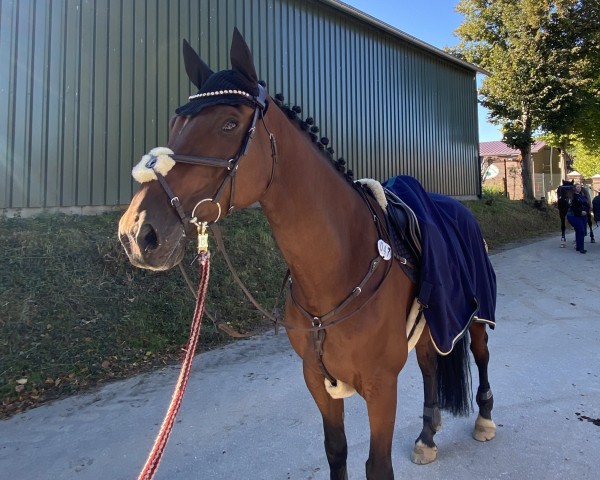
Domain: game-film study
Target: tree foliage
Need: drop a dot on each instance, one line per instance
(586, 160)
(544, 67)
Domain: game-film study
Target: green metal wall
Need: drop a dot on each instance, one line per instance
(88, 86)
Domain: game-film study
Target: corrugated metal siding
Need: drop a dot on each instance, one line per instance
(88, 86)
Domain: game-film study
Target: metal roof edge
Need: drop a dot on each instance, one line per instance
(402, 35)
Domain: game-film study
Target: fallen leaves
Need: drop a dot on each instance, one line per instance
(21, 382)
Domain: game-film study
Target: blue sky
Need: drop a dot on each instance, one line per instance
(433, 22)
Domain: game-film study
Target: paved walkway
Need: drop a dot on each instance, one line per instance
(248, 415)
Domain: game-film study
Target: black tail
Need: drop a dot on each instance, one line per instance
(454, 380)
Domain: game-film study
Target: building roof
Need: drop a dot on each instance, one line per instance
(501, 149)
(365, 17)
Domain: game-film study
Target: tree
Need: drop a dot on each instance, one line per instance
(586, 161)
(538, 54)
(586, 128)
(579, 132)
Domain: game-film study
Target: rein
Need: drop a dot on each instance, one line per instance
(321, 322)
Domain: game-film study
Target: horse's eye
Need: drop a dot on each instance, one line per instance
(229, 125)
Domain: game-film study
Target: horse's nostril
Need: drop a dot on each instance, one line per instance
(148, 240)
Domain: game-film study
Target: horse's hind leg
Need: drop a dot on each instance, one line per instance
(332, 411)
(425, 449)
(485, 428)
(592, 239)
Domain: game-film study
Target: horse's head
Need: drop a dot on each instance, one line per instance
(216, 159)
(564, 193)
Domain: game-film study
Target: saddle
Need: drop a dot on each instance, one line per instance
(402, 226)
(405, 233)
(454, 280)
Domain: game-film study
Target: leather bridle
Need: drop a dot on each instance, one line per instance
(231, 165)
(318, 324)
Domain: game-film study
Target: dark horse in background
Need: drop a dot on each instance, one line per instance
(233, 145)
(564, 193)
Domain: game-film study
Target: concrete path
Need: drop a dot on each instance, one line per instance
(248, 415)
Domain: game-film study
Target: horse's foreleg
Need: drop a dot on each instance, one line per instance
(425, 449)
(592, 239)
(381, 396)
(332, 412)
(485, 428)
(563, 239)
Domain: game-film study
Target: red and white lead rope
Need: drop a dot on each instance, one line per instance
(160, 443)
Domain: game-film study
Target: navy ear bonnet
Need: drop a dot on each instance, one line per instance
(226, 87)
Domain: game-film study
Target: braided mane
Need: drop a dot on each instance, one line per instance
(307, 125)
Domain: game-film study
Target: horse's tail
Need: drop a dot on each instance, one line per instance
(454, 380)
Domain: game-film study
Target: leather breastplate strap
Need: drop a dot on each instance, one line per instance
(321, 322)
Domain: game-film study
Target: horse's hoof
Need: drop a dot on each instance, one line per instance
(422, 454)
(484, 429)
(593, 240)
(562, 245)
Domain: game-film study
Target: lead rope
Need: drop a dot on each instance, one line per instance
(213, 318)
(160, 443)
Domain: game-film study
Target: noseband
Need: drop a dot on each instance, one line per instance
(231, 165)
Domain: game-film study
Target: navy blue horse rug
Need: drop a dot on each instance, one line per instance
(456, 283)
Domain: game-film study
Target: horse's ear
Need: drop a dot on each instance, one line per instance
(241, 57)
(197, 71)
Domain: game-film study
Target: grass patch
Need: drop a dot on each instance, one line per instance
(74, 313)
(505, 221)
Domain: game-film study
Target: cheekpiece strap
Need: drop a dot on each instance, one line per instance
(173, 199)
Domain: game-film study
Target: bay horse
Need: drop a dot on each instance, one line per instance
(564, 193)
(233, 145)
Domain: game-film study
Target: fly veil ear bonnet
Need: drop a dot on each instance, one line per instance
(238, 86)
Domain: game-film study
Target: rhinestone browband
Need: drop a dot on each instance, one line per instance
(220, 92)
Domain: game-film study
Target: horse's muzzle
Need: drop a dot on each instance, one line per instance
(146, 247)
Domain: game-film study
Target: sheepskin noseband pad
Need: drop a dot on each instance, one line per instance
(157, 160)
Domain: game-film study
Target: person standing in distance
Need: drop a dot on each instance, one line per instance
(596, 207)
(577, 216)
